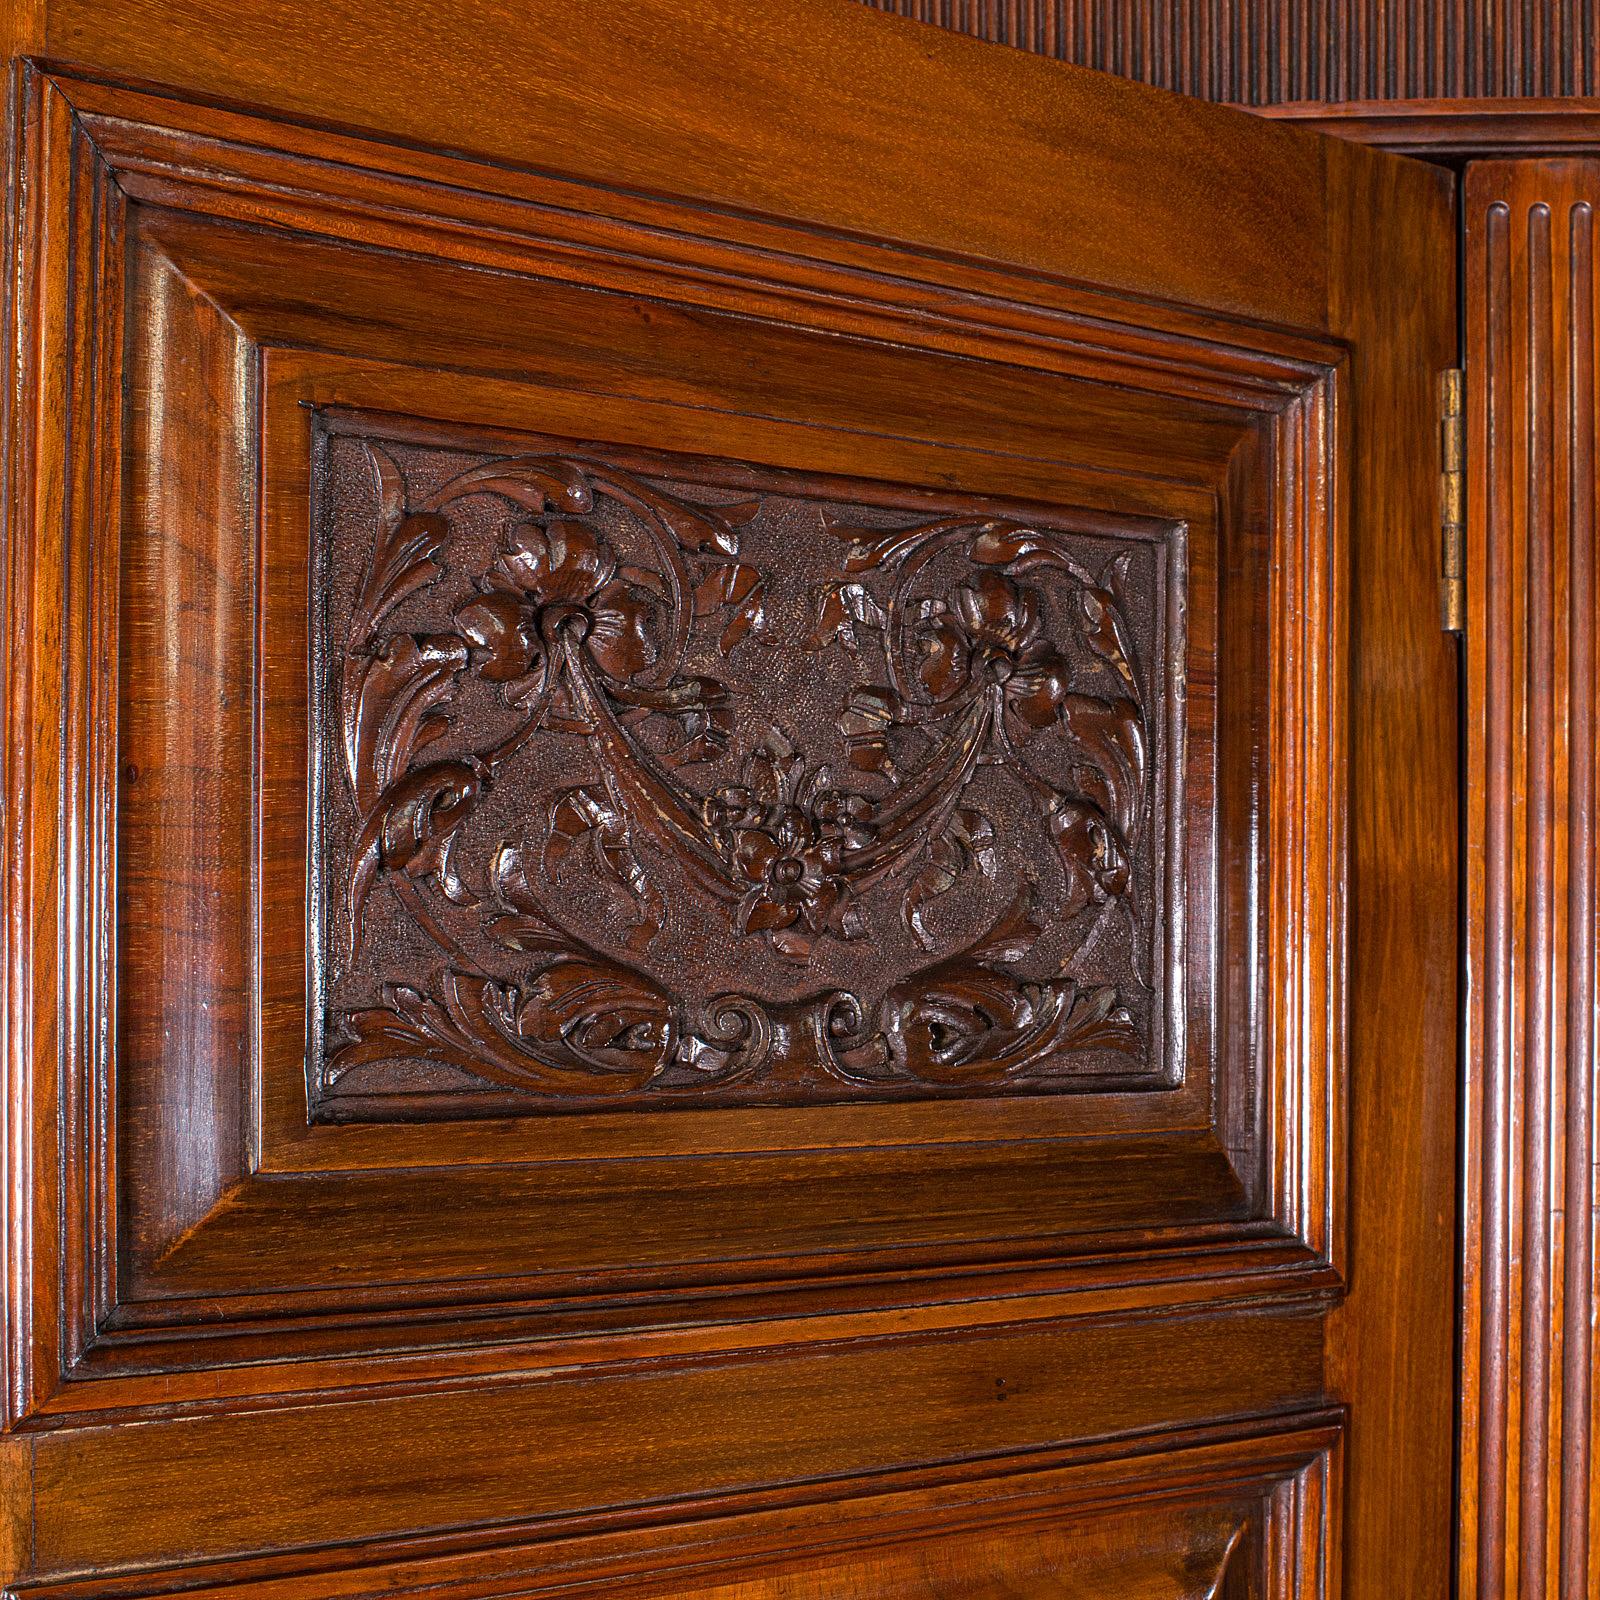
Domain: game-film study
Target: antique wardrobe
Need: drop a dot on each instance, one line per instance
(797, 808)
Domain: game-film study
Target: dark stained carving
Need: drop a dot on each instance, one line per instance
(638, 788)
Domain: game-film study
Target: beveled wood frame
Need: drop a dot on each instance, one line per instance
(299, 1472)
(109, 1287)
(1279, 1492)
(116, 1303)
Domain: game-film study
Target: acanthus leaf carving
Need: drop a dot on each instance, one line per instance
(969, 1019)
(587, 602)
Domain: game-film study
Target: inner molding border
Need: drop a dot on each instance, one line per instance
(1247, 1508)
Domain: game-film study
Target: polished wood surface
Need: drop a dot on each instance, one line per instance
(437, 566)
(1473, 78)
(1454, 82)
(1528, 1394)
(1450, 129)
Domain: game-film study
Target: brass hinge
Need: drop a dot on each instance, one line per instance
(1452, 501)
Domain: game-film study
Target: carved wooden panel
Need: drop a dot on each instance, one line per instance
(1260, 53)
(1533, 1060)
(230, 1203)
(268, 1332)
(645, 780)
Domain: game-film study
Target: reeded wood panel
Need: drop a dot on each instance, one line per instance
(1259, 53)
(1531, 1290)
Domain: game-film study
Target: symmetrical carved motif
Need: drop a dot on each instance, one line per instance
(637, 788)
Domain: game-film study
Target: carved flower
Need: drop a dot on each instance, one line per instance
(551, 573)
(849, 813)
(994, 635)
(791, 853)
(792, 864)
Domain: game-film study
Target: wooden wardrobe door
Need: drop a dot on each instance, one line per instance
(729, 817)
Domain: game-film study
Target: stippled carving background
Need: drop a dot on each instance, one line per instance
(648, 780)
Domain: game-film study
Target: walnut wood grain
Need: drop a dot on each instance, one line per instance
(1405, 850)
(1481, 78)
(1530, 1294)
(1449, 129)
(1247, 1505)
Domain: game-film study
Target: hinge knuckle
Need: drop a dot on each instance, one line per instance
(1452, 501)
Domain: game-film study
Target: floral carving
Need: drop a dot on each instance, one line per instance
(789, 833)
(993, 634)
(987, 651)
(969, 1019)
(554, 575)
(979, 665)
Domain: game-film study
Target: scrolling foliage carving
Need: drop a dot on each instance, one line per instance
(648, 781)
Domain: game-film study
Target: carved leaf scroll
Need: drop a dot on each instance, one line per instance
(558, 771)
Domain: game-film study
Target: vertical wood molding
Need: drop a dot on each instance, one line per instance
(1266, 52)
(1529, 1269)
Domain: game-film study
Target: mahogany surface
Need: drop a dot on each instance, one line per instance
(486, 1114)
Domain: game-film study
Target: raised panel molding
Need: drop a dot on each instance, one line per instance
(1254, 52)
(217, 1210)
(1532, 1058)
(1241, 1513)
(496, 540)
